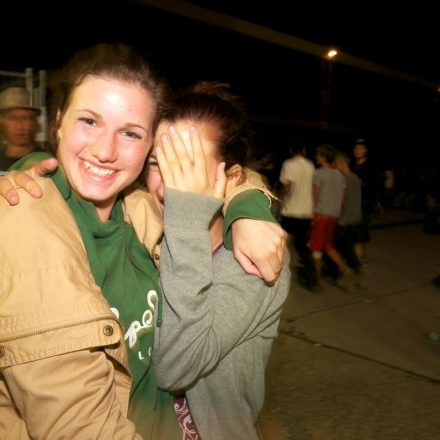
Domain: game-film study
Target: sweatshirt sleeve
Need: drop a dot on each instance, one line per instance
(206, 312)
(248, 204)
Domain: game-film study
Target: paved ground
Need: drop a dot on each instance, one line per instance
(360, 365)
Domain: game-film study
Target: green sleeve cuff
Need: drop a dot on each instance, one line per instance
(248, 204)
(29, 160)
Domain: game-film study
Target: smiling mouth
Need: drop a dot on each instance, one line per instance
(101, 172)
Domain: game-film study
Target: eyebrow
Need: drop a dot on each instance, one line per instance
(99, 116)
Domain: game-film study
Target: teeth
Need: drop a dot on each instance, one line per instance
(97, 171)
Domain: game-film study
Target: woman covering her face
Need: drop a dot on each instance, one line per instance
(219, 323)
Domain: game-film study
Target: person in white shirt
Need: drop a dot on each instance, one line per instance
(297, 210)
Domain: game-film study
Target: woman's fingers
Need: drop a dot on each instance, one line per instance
(7, 190)
(183, 162)
(23, 180)
(262, 242)
(44, 167)
(180, 150)
(197, 147)
(165, 171)
(26, 180)
(174, 169)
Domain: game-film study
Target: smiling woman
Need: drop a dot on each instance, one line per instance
(72, 248)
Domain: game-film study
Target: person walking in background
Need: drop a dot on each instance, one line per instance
(372, 185)
(18, 125)
(328, 196)
(296, 176)
(348, 232)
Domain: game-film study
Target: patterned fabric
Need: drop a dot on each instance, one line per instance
(189, 431)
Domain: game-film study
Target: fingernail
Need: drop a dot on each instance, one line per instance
(35, 193)
(12, 199)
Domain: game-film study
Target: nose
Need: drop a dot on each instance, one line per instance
(24, 125)
(104, 148)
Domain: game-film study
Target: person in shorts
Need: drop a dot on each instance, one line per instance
(328, 195)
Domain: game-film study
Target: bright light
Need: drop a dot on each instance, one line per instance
(332, 53)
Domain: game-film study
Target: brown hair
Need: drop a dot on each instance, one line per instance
(212, 103)
(112, 61)
(327, 151)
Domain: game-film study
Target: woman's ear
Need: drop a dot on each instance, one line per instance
(235, 176)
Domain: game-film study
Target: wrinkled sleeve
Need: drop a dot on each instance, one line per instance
(205, 314)
(78, 401)
(57, 375)
(248, 204)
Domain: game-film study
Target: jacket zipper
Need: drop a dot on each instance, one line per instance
(59, 327)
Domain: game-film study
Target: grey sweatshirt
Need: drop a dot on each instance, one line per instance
(218, 323)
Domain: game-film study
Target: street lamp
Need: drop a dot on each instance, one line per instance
(327, 80)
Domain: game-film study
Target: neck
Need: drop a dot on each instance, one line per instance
(104, 213)
(104, 209)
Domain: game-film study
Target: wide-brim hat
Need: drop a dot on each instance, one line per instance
(16, 97)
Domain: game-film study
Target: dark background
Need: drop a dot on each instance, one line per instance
(282, 86)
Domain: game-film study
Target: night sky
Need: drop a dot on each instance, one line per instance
(281, 86)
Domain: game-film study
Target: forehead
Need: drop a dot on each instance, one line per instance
(95, 90)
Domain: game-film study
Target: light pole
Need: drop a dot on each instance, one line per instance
(326, 81)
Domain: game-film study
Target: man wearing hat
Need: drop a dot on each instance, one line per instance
(18, 125)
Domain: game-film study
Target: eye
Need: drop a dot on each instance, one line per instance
(132, 135)
(88, 121)
(152, 163)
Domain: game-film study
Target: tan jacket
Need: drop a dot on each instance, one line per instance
(63, 363)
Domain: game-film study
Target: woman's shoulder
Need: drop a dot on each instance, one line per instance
(39, 220)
